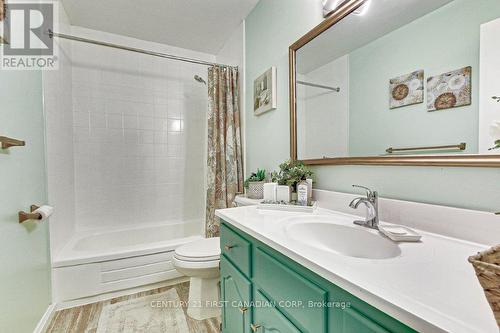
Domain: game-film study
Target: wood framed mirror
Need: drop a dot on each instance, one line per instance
(398, 83)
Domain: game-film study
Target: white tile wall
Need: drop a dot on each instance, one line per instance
(139, 127)
(59, 142)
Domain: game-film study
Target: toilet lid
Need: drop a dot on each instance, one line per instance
(201, 250)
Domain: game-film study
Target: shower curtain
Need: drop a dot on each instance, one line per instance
(225, 160)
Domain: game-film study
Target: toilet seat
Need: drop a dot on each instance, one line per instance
(179, 263)
(201, 251)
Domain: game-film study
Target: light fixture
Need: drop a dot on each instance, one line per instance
(331, 5)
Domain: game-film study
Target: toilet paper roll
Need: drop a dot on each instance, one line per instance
(44, 211)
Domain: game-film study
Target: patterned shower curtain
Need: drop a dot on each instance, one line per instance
(225, 160)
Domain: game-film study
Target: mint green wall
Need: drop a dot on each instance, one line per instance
(24, 256)
(445, 40)
(270, 28)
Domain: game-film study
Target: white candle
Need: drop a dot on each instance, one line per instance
(270, 191)
(283, 193)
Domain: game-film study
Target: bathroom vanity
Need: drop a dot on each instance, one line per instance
(277, 275)
(268, 291)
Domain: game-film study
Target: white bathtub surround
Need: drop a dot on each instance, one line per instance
(126, 142)
(430, 286)
(140, 133)
(111, 260)
(57, 100)
(200, 261)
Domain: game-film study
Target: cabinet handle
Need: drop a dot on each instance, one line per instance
(243, 309)
(254, 328)
(228, 247)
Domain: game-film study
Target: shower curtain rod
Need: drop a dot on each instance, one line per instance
(53, 34)
(337, 89)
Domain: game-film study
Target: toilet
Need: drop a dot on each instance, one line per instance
(200, 261)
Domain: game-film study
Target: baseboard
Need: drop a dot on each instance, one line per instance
(114, 294)
(45, 320)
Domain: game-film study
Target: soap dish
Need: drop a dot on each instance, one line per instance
(289, 207)
(399, 233)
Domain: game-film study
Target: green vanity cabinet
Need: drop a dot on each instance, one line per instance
(291, 291)
(236, 293)
(266, 292)
(237, 249)
(269, 318)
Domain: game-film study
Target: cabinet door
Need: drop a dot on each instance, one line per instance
(268, 319)
(237, 249)
(284, 286)
(236, 293)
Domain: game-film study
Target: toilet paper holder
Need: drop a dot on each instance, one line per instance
(23, 216)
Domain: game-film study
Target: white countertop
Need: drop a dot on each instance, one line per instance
(430, 287)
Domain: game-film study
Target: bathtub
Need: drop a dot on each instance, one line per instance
(101, 261)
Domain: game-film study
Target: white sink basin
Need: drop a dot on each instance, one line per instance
(337, 235)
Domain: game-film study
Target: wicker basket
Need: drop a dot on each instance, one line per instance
(487, 266)
(255, 190)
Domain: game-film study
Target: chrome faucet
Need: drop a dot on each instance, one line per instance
(371, 203)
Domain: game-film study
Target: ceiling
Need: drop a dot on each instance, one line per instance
(200, 25)
(355, 31)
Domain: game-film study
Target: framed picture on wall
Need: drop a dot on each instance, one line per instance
(264, 92)
(449, 90)
(407, 90)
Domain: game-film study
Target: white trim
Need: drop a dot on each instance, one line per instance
(106, 296)
(45, 320)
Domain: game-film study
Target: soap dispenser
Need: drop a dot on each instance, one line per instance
(303, 193)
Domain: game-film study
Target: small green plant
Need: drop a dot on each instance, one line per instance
(258, 176)
(291, 173)
(496, 146)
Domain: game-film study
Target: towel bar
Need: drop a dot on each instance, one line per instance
(9, 142)
(461, 146)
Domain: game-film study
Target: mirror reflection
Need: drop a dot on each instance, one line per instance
(402, 77)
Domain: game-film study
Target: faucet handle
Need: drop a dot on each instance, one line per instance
(369, 193)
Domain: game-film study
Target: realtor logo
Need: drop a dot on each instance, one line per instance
(29, 45)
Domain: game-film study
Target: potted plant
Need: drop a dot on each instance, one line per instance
(291, 173)
(255, 184)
